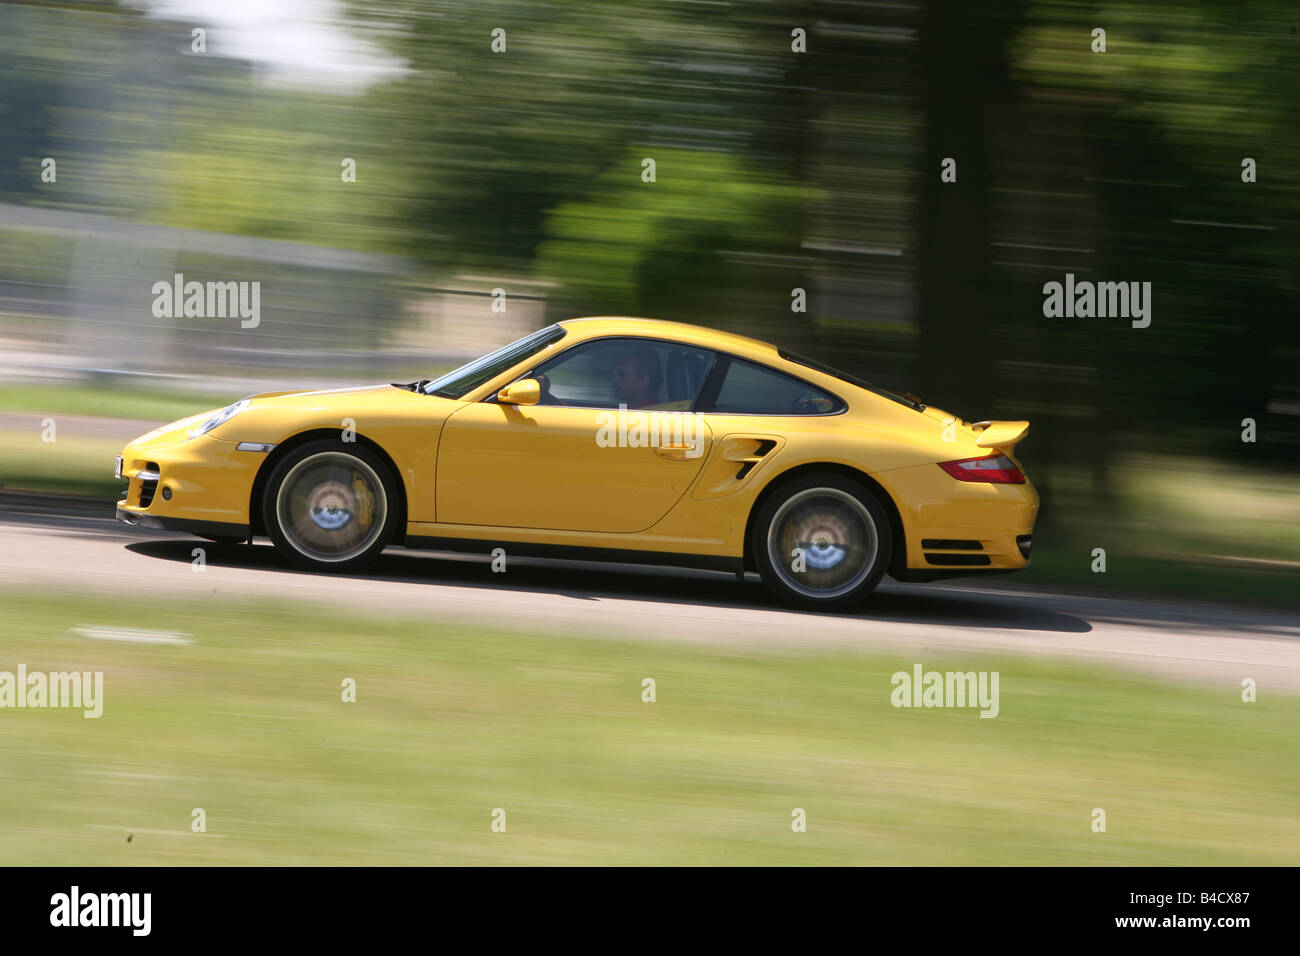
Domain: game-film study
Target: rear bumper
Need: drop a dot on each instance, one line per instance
(959, 528)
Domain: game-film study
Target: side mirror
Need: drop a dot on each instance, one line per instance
(526, 391)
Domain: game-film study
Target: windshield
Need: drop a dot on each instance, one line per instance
(469, 377)
(908, 400)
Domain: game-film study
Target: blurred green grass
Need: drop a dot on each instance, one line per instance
(77, 462)
(451, 722)
(1181, 504)
(1161, 576)
(1185, 526)
(109, 401)
(71, 465)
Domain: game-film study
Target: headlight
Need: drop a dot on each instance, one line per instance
(220, 418)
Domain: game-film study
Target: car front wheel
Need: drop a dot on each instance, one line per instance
(330, 506)
(822, 541)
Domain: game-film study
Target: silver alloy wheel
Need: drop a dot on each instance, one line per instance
(837, 536)
(331, 506)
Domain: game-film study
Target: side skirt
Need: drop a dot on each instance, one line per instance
(569, 552)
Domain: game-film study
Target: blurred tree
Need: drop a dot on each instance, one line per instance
(535, 153)
(1164, 119)
(963, 61)
(689, 245)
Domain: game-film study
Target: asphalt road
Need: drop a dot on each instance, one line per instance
(1200, 642)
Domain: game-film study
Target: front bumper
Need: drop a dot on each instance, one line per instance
(216, 529)
(183, 485)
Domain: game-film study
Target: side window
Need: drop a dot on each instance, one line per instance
(638, 373)
(750, 389)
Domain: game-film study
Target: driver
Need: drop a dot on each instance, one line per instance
(636, 378)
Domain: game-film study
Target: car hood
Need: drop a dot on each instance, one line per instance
(172, 432)
(272, 417)
(321, 395)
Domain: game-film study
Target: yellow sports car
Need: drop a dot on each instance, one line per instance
(618, 439)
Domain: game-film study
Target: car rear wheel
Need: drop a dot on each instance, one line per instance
(330, 506)
(822, 541)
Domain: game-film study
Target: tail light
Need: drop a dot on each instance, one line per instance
(998, 469)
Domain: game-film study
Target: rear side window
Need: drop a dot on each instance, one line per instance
(751, 389)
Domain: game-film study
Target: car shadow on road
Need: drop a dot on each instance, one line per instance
(931, 605)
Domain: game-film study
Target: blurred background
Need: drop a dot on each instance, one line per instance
(380, 170)
(221, 155)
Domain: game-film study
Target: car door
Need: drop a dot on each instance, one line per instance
(611, 446)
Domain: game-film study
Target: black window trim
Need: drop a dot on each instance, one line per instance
(712, 383)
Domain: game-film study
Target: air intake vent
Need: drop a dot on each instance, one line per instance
(148, 483)
(764, 446)
(968, 560)
(1025, 542)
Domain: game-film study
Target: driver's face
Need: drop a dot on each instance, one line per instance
(630, 382)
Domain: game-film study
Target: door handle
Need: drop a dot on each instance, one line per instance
(680, 451)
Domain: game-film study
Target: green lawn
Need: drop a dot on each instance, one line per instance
(247, 723)
(1063, 565)
(109, 401)
(1187, 527)
(82, 464)
(1181, 506)
(72, 465)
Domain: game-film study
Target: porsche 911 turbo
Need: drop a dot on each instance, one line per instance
(620, 439)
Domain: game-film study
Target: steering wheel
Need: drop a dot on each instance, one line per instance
(547, 397)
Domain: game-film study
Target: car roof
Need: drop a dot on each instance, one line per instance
(596, 326)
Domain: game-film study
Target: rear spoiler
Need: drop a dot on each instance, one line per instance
(1000, 435)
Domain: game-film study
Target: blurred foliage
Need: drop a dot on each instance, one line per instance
(1154, 133)
(671, 248)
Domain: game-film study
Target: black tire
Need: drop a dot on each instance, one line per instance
(844, 535)
(331, 505)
